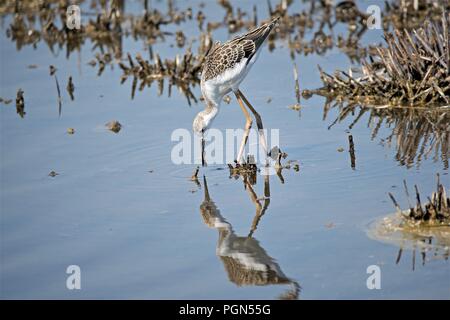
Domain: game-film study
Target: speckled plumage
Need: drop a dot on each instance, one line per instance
(225, 56)
(225, 67)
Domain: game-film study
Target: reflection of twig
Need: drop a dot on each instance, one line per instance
(58, 90)
(71, 88)
(351, 150)
(203, 152)
(20, 103)
(417, 132)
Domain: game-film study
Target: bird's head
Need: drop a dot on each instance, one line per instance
(203, 120)
(199, 125)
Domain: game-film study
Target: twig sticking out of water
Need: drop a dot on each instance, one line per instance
(297, 105)
(194, 176)
(71, 88)
(435, 211)
(20, 103)
(58, 90)
(351, 150)
(297, 84)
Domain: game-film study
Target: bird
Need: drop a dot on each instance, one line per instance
(225, 66)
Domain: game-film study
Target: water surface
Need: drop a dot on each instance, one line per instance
(131, 219)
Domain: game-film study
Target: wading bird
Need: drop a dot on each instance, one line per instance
(225, 66)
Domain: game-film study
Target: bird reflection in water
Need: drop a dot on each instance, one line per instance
(244, 259)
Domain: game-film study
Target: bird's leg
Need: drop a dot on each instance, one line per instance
(248, 125)
(259, 124)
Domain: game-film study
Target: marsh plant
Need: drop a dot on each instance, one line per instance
(425, 226)
(413, 69)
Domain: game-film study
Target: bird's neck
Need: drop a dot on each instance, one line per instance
(212, 96)
(212, 107)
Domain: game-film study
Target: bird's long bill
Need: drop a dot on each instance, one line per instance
(203, 152)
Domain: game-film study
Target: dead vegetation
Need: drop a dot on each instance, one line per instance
(43, 20)
(309, 30)
(114, 125)
(408, 14)
(436, 211)
(424, 227)
(182, 71)
(413, 70)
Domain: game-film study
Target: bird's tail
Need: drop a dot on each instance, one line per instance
(259, 35)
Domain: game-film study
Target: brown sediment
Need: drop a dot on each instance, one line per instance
(114, 126)
(413, 70)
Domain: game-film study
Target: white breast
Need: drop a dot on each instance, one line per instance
(218, 87)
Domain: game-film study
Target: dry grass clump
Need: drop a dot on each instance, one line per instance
(407, 14)
(413, 70)
(182, 71)
(435, 212)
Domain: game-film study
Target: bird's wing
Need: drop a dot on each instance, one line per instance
(225, 56)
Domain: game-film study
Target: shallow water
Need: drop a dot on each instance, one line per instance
(140, 234)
